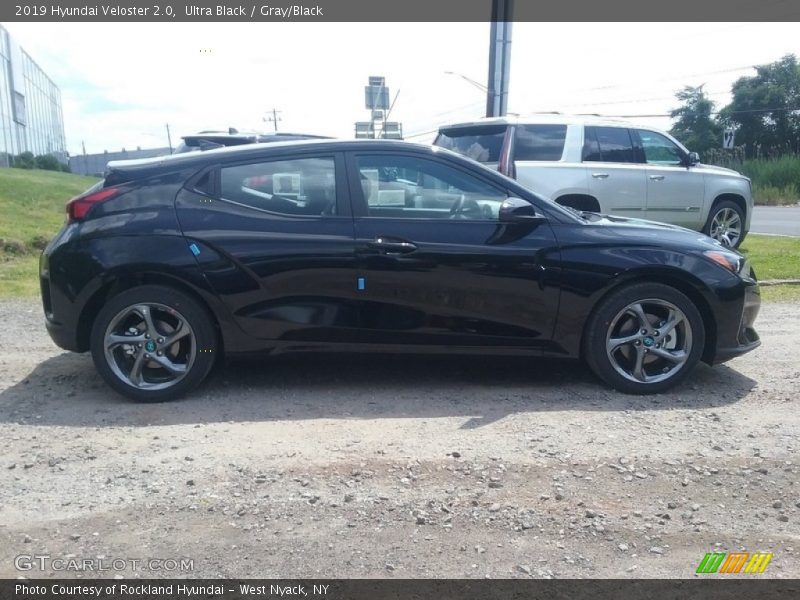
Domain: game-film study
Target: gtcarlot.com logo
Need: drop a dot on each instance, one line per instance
(46, 562)
(735, 562)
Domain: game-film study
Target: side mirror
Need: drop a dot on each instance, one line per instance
(692, 159)
(517, 210)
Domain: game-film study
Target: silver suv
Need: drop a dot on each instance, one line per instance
(610, 167)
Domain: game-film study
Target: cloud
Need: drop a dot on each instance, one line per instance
(122, 82)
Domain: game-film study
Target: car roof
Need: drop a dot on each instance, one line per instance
(188, 159)
(542, 119)
(249, 135)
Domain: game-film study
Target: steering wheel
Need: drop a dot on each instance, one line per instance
(466, 208)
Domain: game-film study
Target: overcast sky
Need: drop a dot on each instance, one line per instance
(121, 83)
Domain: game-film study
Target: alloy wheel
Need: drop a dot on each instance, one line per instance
(726, 227)
(649, 341)
(149, 346)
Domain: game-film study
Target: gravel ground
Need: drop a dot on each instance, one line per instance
(351, 466)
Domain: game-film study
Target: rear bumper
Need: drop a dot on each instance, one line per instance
(62, 336)
(725, 354)
(59, 322)
(737, 337)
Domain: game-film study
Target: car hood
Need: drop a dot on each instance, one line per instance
(642, 230)
(718, 170)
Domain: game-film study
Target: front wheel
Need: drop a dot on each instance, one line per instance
(153, 343)
(644, 338)
(726, 224)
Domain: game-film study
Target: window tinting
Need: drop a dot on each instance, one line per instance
(659, 150)
(539, 142)
(613, 145)
(415, 188)
(483, 143)
(591, 149)
(304, 186)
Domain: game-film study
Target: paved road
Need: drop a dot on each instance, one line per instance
(783, 220)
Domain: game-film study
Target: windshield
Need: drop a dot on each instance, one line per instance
(482, 142)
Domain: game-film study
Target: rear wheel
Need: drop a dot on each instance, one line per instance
(726, 224)
(153, 343)
(644, 338)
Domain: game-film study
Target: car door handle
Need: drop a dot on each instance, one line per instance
(391, 246)
(600, 175)
(656, 178)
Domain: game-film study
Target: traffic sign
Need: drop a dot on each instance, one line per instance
(727, 139)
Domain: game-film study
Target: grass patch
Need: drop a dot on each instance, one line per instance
(775, 196)
(780, 293)
(31, 213)
(19, 276)
(773, 257)
(780, 172)
(32, 207)
(776, 181)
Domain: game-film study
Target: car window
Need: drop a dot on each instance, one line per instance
(302, 186)
(659, 149)
(608, 144)
(539, 142)
(482, 143)
(415, 188)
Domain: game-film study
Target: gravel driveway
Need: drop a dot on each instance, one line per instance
(352, 466)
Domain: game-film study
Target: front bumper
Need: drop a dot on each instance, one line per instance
(733, 340)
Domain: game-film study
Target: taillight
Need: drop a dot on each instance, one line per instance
(80, 205)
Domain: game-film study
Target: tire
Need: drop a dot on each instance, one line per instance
(615, 318)
(721, 223)
(148, 368)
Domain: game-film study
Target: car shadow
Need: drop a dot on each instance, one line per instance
(65, 390)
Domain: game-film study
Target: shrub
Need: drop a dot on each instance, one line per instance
(780, 172)
(48, 162)
(25, 160)
(775, 196)
(776, 179)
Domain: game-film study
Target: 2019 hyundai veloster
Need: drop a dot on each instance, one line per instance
(384, 246)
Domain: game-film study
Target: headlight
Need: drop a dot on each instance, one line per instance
(735, 263)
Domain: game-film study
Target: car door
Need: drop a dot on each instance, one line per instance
(435, 265)
(616, 176)
(274, 236)
(675, 191)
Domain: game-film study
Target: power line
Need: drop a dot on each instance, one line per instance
(421, 133)
(714, 112)
(673, 78)
(639, 100)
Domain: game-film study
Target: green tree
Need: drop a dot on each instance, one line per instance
(765, 110)
(695, 127)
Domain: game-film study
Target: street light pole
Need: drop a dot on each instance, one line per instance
(499, 58)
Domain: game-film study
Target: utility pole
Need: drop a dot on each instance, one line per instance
(387, 113)
(499, 57)
(274, 118)
(83, 145)
(169, 139)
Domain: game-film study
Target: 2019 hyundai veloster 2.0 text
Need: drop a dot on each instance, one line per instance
(375, 246)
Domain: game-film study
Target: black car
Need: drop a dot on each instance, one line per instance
(375, 246)
(208, 140)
